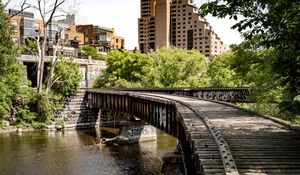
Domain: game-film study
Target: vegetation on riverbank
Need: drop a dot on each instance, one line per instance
(18, 100)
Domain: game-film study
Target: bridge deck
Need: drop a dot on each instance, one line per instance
(222, 139)
(258, 145)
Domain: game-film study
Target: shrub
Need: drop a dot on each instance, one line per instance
(68, 76)
(90, 51)
(60, 123)
(51, 104)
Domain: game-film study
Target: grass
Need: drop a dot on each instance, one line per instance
(270, 109)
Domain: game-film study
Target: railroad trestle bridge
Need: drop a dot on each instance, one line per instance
(216, 137)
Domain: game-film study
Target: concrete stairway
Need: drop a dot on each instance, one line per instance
(75, 113)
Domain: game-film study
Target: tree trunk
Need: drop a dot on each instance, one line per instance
(41, 72)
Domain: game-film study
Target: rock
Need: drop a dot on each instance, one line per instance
(58, 127)
(6, 123)
(50, 127)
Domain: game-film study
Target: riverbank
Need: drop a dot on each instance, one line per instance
(14, 129)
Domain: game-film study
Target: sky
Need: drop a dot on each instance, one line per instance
(123, 16)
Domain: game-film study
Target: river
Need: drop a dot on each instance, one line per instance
(78, 152)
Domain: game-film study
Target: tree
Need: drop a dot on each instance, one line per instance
(30, 47)
(87, 50)
(220, 72)
(48, 11)
(178, 67)
(277, 24)
(126, 69)
(164, 68)
(10, 71)
(67, 76)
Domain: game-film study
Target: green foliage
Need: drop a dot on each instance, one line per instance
(29, 48)
(1, 124)
(25, 107)
(220, 72)
(178, 67)
(277, 25)
(25, 116)
(67, 77)
(38, 125)
(87, 50)
(51, 104)
(60, 123)
(254, 66)
(165, 68)
(11, 73)
(126, 69)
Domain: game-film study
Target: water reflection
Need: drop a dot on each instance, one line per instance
(79, 152)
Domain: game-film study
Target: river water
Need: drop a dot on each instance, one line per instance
(78, 152)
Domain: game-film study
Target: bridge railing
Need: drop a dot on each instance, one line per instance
(239, 94)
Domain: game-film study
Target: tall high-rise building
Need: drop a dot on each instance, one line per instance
(176, 23)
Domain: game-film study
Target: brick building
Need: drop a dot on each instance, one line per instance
(176, 23)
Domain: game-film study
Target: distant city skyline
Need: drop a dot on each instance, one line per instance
(123, 16)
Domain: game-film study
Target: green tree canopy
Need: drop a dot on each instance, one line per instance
(67, 77)
(126, 69)
(11, 73)
(164, 68)
(178, 67)
(87, 50)
(220, 72)
(277, 25)
(30, 47)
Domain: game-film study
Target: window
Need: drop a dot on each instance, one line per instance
(190, 39)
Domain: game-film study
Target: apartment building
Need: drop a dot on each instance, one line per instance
(25, 26)
(119, 42)
(102, 38)
(176, 23)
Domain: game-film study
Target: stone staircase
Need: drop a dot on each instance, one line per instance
(75, 113)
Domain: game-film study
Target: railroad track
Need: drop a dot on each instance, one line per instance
(227, 140)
